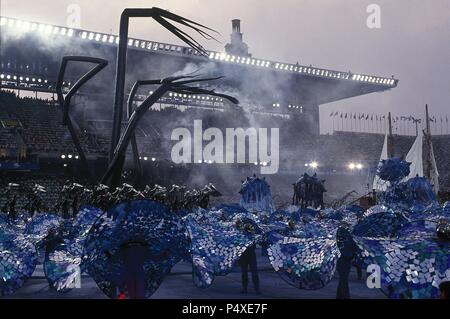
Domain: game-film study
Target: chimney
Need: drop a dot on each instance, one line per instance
(236, 23)
(237, 45)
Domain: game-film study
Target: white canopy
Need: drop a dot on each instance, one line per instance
(378, 183)
(415, 158)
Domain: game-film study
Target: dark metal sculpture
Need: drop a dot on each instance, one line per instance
(119, 143)
(65, 101)
(171, 84)
(162, 17)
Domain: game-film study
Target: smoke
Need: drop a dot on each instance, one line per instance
(255, 88)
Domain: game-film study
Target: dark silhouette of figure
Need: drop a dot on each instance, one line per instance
(65, 209)
(75, 207)
(343, 267)
(248, 260)
(359, 272)
(133, 277)
(12, 209)
(444, 290)
(349, 250)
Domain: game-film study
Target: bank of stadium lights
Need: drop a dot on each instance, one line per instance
(295, 106)
(277, 105)
(223, 57)
(46, 29)
(260, 163)
(371, 79)
(146, 158)
(69, 156)
(313, 165)
(22, 79)
(355, 166)
(193, 97)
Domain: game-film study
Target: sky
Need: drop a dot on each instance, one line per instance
(412, 43)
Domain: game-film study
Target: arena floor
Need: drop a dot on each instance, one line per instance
(178, 285)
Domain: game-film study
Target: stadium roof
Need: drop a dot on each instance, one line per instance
(313, 80)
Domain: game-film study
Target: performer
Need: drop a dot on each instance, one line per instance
(444, 290)
(35, 203)
(12, 215)
(248, 260)
(348, 249)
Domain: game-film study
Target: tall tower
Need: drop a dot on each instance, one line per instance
(237, 45)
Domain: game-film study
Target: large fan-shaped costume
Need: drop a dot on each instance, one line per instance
(130, 249)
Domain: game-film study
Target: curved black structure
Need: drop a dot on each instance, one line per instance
(65, 101)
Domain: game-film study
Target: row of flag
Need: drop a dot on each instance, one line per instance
(359, 116)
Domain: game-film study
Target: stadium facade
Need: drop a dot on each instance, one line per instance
(271, 93)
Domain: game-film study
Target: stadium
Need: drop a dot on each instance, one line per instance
(37, 148)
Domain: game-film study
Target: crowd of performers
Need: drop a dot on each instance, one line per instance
(128, 240)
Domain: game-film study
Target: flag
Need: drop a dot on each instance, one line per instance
(354, 116)
(345, 115)
(331, 114)
(367, 117)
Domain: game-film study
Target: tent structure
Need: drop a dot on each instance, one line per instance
(415, 158)
(378, 184)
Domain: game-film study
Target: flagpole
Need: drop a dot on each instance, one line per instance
(390, 138)
(428, 130)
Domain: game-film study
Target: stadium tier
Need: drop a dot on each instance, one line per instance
(275, 87)
(271, 94)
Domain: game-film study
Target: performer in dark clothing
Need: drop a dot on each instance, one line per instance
(348, 249)
(65, 209)
(248, 260)
(444, 290)
(12, 209)
(343, 268)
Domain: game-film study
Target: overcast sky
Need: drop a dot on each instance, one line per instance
(413, 43)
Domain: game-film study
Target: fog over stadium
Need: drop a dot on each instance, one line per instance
(412, 43)
(308, 144)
